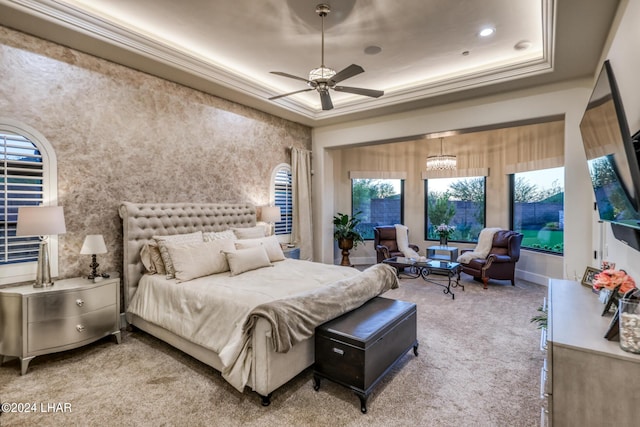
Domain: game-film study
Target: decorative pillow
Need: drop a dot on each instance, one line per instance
(151, 258)
(193, 260)
(249, 232)
(175, 239)
(271, 245)
(218, 235)
(249, 259)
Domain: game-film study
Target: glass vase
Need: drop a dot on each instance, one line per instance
(629, 311)
(444, 240)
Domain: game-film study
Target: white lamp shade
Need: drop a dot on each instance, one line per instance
(271, 214)
(40, 221)
(93, 244)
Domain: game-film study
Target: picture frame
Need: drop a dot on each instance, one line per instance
(613, 331)
(608, 265)
(614, 326)
(612, 301)
(588, 276)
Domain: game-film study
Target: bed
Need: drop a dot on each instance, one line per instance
(264, 351)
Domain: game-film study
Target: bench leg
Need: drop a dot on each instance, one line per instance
(363, 402)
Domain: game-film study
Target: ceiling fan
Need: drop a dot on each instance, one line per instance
(323, 78)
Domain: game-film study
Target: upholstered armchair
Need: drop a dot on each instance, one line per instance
(500, 264)
(384, 239)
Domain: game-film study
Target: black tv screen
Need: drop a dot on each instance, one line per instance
(611, 156)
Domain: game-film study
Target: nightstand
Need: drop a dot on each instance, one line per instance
(69, 314)
(293, 252)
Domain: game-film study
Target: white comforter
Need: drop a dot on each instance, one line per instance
(211, 310)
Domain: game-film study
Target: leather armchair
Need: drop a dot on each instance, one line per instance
(384, 239)
(500, 264)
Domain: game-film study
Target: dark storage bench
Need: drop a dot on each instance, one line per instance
(358, 348)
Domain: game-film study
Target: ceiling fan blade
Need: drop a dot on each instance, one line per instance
(290, 93)
(350, 71)
(325, 98)
(291, 76)
(360, 91)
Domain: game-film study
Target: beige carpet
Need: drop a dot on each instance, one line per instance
(479, 365)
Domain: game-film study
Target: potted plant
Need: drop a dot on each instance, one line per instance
(346, 234)
(445, 231)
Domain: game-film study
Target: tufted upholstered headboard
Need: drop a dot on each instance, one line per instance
(142, 221)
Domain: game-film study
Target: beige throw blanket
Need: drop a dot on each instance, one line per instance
(485, 241)
(402, 238)
(295, 318)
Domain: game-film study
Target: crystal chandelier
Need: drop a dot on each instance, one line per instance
(441, 162)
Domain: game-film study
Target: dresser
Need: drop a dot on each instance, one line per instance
(69, 314)
(586, 380)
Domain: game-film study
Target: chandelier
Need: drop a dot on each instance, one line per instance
(441, 162)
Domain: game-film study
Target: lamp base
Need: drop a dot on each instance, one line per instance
(43, 285)
(95, 276)
(43, 273)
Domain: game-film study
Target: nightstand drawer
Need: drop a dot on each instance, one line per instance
(58, 305)
(70, 330)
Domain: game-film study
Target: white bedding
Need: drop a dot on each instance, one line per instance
(211, 310)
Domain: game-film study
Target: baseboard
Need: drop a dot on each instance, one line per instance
(532, 277)
(357, 260)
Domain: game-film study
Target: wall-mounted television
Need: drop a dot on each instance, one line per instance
(611, 155)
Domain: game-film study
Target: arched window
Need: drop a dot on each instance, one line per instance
(27, 178)
(281, 196)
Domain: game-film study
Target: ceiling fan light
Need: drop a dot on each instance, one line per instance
(321, 73)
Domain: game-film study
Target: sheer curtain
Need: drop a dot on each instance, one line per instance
(302, 220)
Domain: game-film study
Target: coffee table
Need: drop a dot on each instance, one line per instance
(438, 272)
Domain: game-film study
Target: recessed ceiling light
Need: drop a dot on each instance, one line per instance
(486, 32)
(522, 45)
(372, 50)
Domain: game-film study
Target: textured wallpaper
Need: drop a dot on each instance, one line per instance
(122, 135)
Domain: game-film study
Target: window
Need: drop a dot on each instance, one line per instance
(27, 178)
(537, 206)
(379, 201)
(21, 186)
(459, 202)
(283, 198)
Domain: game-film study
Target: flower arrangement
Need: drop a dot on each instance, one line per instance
(444, 230)
(613, 279)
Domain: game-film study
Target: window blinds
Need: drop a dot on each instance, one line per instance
(284, 200)
(21, 184)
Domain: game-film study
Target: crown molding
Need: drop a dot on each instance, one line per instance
(80, 21)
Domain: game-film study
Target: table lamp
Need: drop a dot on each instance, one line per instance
(41, 221)
(271, 215)
(93, 245)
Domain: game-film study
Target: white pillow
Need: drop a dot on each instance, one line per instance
(218, 235)
(271, 245)
(175, 239)
(249, 232)
(193, 260)
(249, 259)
